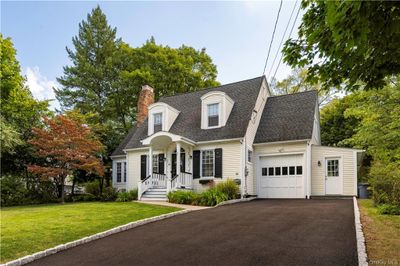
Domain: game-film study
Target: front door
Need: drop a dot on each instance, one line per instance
(333, 176)
(173, 167)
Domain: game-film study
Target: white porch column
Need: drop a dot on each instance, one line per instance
(167, 168)
(190, 160)
(178, 158)
(150, 166)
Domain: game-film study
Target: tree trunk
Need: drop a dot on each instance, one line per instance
(73, 187)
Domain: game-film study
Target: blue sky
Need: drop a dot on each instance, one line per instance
(235, 34)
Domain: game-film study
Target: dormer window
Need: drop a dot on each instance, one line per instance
(157, 118)
(161, 117)
(216, 107)
(213, 115)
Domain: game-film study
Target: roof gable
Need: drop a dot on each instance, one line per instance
(287, 117)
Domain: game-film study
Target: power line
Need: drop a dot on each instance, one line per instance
(283, 38)
(273, 35)
(290, 34)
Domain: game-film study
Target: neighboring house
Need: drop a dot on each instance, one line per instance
(270, 144)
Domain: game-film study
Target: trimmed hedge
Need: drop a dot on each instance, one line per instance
(223, 191)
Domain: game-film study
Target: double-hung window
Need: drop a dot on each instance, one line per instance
(207, 163)
(119, 172)
(157, 122)
(213, 114)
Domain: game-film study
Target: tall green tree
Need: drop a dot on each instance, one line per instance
(88, 81)
(19, 111)
(336, 127)
(106, 75)
(369, 119)
(347, 42)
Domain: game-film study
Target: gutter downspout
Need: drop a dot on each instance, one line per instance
(243, 170)
(309, 169)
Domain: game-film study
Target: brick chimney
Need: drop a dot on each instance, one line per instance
(146, 98)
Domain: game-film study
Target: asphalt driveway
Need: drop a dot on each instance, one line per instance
(260, 232)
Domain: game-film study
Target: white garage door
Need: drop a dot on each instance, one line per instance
(281, 177)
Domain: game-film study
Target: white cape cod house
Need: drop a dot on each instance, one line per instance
(270, 144)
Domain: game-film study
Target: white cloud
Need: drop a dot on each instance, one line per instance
(41, 87)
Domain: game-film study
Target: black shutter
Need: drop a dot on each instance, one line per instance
(173, 165)
(161, 163)
(196, 164)
(143, 166)
(218, 163)
(183, 164)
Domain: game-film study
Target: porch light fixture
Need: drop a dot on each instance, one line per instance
(319, 163)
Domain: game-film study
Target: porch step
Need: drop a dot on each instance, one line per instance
(155, 194)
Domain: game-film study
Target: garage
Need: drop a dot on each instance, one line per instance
(281, 176)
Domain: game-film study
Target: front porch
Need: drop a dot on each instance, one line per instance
(166, 167)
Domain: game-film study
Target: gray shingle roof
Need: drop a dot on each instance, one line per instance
(188, 123)
(287, 117)
(119, 150)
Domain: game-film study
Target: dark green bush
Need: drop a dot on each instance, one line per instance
(182, 196)
(133, 194)
(385, 184)
(92, 188)
(109, 194)
(127, 195)
(388, 209)
(223, 191)
(86, 197)
(13, 191)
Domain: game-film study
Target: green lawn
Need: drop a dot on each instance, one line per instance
(382, 235)
(28, 229)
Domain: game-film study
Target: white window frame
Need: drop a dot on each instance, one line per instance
(124, 167)
(327, 165)
(218, 104)
(120, 172)
(201, 164)
(161, 120)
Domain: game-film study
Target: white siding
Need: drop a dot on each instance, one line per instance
(282, 147)
(251, 179)
(133, 159)
(349, 172)
(251, 133)
(316, 134)
(122, 184)
(230, 162)
(255, 121)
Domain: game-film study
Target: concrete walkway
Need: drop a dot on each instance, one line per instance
(182, 206)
